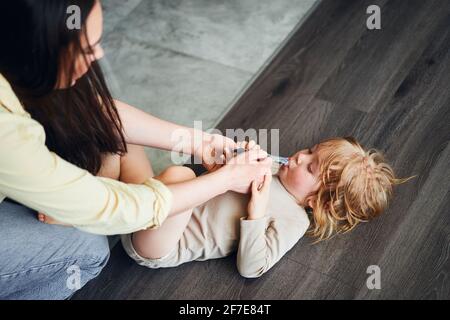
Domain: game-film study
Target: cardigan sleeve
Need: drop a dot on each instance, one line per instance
(39, 179)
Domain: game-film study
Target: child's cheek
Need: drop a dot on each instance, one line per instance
(297, 177)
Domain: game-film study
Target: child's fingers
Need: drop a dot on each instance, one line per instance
(228, 154)
(262, 187)
(222, 160)
(266, 183)
(254, 187)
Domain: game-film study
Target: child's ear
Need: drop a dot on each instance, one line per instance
(311, 202)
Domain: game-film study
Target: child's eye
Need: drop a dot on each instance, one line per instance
(309, 168)
(309, 151)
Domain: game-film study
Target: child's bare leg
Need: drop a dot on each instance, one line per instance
(134, 167)
(156, 243)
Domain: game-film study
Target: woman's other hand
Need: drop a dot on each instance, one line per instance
(245, 168)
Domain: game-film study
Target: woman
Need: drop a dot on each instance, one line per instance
(49, 78)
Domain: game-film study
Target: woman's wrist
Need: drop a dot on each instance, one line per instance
(226, 181)
(199, 140)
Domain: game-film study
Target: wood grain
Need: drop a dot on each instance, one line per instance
(390, 89)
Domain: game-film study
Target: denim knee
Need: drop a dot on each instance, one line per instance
(41, 261)
(55, 280)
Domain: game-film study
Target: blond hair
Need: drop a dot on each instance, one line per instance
(355, 186)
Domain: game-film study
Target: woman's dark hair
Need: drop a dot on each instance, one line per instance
(81, 122)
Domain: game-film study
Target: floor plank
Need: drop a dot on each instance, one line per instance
(380, 60)
(412, 129)
(390, 89)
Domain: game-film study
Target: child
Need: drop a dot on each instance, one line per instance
(337, 181)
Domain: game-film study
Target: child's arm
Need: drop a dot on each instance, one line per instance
(264, 240)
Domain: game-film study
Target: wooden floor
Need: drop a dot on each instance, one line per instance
(390, 89)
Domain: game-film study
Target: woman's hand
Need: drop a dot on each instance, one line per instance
(257, 207)
(237, 176)
(220, 149)
(245, 168)
(216, 149)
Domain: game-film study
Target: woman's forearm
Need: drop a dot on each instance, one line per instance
(141, 128)
(205, 187)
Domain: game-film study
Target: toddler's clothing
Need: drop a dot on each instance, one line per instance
(219, 227)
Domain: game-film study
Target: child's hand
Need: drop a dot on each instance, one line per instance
(257, 206)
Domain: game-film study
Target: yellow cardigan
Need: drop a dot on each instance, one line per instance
(39, 179)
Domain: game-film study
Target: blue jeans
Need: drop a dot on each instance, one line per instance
(39, 261)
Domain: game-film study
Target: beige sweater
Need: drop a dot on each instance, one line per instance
(219, 228)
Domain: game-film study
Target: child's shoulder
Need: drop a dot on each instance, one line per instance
(283, 205)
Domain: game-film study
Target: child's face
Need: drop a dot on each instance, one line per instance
(301, 176)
